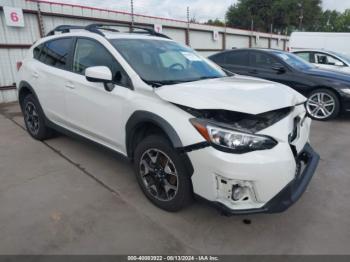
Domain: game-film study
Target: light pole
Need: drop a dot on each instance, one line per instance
(132, 14)
(301, 17)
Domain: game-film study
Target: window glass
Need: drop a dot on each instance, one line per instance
(55, 52)
(293, 60)
(36, 51)
(258, 59)
(170, 58)
(160, 62)
(91, 53)
(305, 56)
(327, 60)
(237, 58)
(220, 58)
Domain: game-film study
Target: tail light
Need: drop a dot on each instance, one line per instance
(19, 65)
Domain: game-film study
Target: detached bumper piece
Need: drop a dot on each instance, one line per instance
(307, 162)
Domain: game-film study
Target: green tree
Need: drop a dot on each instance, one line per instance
(276, 15)
(333, 21)
(216, 22)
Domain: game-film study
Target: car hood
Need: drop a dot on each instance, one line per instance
(329, 73)
(239, 93)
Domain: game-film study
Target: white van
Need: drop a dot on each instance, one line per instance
(337, 42)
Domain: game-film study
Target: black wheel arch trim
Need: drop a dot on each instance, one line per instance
(138, 118)
(25, 84)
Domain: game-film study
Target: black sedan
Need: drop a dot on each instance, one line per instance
(328, 92)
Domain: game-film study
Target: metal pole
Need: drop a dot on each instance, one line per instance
(301, 17)
(40, 20)
(132, 14)
(188, 27)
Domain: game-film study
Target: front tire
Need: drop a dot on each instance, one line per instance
(161, 174)
(34, 119)
(323, 105)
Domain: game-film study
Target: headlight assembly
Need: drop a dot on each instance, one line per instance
(229, 140)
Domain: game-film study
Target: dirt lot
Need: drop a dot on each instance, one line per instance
(65, 196)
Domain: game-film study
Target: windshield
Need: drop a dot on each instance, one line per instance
(160, 62)
(294, 61)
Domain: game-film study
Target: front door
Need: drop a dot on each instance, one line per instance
(91, 110)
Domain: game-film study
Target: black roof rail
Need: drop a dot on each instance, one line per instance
(64, 29)
(96, 28)
(149, 31)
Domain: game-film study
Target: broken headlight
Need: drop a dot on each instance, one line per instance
(229, 140)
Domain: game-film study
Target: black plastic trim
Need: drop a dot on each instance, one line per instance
(138, 118)
(194, 147)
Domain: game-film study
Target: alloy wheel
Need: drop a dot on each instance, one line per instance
(159, 175)
(320, 105)
(32, 118)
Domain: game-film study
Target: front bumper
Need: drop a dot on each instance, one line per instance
(267, 180)
(291, 193)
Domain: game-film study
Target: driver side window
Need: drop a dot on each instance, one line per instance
(91, 53)
(327, 59)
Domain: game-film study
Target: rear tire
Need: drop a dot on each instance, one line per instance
(323, 105)
(161, 174)
(34, 119)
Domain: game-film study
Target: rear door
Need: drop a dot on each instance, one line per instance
(50, 74)
(234, 61)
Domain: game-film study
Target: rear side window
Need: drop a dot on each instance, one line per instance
(304, 55)
(237, 58)
(262, 60)
(55, 52)
(219, 59)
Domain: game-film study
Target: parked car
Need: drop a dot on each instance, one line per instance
(337, 42)
(326, 59)
(187, 126)
(328, 92)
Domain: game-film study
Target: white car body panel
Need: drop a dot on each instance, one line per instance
(87, 109)
(238, 93)
(337, 42)
(345, 68)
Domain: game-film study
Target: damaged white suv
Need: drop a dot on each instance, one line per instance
(190, 128)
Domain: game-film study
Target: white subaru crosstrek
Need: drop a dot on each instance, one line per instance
(190, 128)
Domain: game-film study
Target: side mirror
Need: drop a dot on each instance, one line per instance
(279, 68)
(100, 74)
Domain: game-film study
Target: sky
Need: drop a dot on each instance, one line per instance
(202, 10)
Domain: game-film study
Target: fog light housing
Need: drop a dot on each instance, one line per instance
(238, 192)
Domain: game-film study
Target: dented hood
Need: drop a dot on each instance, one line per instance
(239, 93)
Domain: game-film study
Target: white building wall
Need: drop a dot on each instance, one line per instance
(204, 40)
(200, 36)
(237, 41)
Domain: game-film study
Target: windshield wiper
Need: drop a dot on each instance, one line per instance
(156, 83)
(161, 83)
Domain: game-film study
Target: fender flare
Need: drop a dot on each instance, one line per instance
(140, 117)
(25, 84)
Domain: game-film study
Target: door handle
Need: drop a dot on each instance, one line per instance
(35, 74)
(70, 85)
